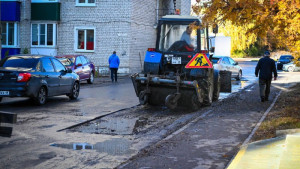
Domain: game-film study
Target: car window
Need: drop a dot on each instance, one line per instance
(231, 61)
(83, 59)
(58, 65)
(20, 61)
(286, 57)
(225, 61)
(78, 61)
(66, 61)
(47, 65)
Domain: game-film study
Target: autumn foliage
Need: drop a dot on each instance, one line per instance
(275, 23)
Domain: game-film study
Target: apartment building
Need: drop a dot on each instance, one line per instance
(94, 28)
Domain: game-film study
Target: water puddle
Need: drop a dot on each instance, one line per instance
(236, 86)
(108, 125)
(115, 146)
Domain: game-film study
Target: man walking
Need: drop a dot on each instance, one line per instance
(114, 63)
(265, 67)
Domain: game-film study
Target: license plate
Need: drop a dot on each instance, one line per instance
(176, 60)
(4, 93)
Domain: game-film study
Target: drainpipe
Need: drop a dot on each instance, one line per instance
(157, 8)
(0, 35)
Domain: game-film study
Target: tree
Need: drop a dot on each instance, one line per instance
(275, 22)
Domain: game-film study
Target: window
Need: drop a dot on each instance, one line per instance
(85, 3)
(225, 61)
(83, 60)
(19, 61)
(173, 37)
(58, 66)
(231, 61)
(47, 65)
(43, 35)
(78, 61)
(9, 34)
(84, 39)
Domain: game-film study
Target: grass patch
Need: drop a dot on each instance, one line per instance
(284, 115)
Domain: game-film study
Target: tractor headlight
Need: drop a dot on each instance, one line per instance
(168, 57)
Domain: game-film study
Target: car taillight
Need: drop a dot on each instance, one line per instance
(151, 49)
(24, 77)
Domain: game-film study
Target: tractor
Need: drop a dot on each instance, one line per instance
(178, 71)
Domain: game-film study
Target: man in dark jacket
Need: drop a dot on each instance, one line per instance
(114, 63)
(265, 67)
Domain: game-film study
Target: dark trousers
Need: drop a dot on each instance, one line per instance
(264, 86)
(114, 72)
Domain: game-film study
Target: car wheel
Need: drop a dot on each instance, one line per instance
(41, 97)
(239, 76)
(75, 91)
(91, 79)
(290, 69)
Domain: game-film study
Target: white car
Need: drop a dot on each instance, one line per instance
(291, 67)
(228, 64)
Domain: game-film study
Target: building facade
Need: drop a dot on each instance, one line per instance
(94, 28)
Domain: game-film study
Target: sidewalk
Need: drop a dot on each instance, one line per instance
(212, 140)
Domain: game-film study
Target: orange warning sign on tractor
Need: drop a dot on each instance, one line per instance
(200, 60)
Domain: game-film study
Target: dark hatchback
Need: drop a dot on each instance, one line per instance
(284, 59)
(81, 65)
(37, 77)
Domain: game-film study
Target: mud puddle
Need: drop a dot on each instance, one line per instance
(236, 86)
(108, 125)
(115, 146)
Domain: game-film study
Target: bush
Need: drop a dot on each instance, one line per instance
(238, 54)
(25, 51)
(253, 50)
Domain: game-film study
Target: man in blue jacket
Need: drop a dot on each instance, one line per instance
(265, 67)
(114, 63)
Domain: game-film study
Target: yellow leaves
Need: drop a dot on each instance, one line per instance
(276, 21)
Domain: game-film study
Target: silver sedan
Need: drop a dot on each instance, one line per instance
(228, 64)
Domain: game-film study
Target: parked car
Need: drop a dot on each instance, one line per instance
(37, 77)
(81, 65)
(291, 67)
(227, 63)
(284, 59)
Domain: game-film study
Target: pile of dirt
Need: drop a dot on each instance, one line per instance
(284, 115)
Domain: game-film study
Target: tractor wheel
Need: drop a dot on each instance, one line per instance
(208, 88)
(170, 101)
(143, 98)
(195, 102)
